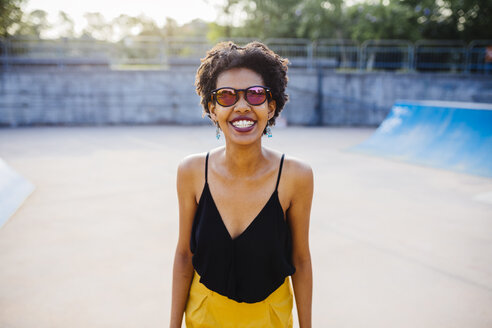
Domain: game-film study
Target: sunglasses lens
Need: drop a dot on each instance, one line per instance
(226, 97)
(256, 95)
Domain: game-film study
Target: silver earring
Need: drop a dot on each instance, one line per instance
(268, 131)
(217, 130)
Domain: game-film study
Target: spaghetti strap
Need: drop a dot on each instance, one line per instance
(280, 171)
(206, 169)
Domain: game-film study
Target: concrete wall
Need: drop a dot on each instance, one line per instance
(144, 97)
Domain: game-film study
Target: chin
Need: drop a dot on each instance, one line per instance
(244, 140)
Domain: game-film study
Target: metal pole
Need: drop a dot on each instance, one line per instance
(466, 69)
(319, 98)
(310, 55)
(362, 55)
(5, 45)
(162, 49)
(411, 56)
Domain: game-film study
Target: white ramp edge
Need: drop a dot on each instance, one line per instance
(14, 189)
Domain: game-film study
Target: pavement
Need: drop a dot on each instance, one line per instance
(393, 244)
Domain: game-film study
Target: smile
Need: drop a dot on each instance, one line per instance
(243, 123)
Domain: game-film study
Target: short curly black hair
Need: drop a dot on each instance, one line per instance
(254, 56)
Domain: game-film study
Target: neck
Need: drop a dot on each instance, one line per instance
(243, 160)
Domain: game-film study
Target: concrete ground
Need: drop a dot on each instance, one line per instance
(393, 244)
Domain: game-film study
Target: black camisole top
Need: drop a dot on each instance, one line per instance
(251, 266)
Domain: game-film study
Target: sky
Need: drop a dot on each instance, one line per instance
(182, 11)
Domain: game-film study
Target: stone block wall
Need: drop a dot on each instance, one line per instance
(77, 97)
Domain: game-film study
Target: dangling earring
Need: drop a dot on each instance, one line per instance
(217, 130)
(268, 131)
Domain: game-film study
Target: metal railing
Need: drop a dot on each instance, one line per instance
(479, 56)
(440, 56)
(337, 53)
(386, 55)
(162, 53)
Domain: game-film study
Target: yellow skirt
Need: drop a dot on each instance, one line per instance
(207, 309)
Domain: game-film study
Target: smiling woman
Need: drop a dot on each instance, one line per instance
(243, 209)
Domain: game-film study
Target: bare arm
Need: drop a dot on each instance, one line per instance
(299, 215)
(183, 268)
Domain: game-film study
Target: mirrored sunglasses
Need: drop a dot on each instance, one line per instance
(254, 95)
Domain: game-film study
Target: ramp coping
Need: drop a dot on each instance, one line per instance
(447, 104)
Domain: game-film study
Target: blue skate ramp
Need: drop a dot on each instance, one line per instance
(14, 189)
(450, 135)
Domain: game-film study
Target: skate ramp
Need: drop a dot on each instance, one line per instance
(14, 189)
(450, 135)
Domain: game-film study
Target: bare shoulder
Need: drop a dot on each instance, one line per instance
(298, 171)
(191, 163)
(191, 173)
(298, 186)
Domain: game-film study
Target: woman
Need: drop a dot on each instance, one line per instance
(243, 209)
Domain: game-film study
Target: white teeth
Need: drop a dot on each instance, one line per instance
(243, 123)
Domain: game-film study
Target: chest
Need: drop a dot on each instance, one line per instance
(239, 203)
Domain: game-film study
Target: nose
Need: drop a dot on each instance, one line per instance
(241, 104)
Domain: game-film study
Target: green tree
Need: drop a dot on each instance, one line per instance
(124, 26)
(321, 19)
(34, 23)
(261, 18)
(10, 16)
(371, 19)
(148, 27)
(65, 25)
(217, 32)
(196, 28)
(382, 20)
(452, 19)
(170, 28)
(97, 27)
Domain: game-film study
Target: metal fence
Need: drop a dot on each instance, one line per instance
(163, 53)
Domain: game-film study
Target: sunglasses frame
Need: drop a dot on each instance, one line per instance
(268, 94)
